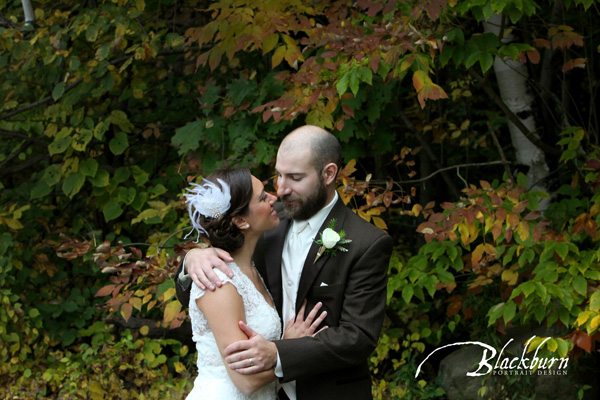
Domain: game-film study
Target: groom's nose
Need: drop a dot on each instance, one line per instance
(282, 187)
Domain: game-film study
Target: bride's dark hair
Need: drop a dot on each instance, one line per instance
(222, 232)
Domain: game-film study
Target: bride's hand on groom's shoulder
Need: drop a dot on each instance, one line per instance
(199, 264)
(298, 327)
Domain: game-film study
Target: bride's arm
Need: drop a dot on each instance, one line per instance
(223, 309)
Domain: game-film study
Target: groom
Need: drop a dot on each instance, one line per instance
(350, 285)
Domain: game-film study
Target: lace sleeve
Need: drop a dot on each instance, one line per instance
(196, 292)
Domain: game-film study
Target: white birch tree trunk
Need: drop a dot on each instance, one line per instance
(512, 83)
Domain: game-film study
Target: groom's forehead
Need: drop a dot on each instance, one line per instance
(294, 163)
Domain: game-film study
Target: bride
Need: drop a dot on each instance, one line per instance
(232, 209)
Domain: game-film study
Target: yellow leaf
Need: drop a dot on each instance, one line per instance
(594, 323)
(583, 317)
(278, 56)
(464, 233)
(179, 367)
(126, 310)
(170, 292)
(416, 210)
(477, 253)
(523, 230)
(364, 215)
(12, 223)
(510, 277)
(380, 223)
(136, 302)
(144, 330)
(489, 249)
(171, 311)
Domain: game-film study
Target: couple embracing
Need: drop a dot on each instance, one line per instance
(269, 268)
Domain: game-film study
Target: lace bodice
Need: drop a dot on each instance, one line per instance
(260, 316)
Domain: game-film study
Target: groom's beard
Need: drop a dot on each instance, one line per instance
(306, 207)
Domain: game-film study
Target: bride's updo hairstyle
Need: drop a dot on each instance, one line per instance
(221, 230)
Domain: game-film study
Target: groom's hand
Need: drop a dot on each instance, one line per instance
(250, 356)
(199, 264)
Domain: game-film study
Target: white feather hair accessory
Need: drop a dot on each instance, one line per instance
(207, 199)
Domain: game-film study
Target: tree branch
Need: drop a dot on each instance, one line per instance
(442, 170)
(23, 136)
(25, 164)
(39, 102)
(455, 192)
(512, 117)
(502, 156)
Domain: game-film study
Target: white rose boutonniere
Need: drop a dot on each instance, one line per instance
(331, 241)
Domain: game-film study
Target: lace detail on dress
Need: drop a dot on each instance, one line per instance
(260, 316)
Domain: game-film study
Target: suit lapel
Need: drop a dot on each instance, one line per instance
(311, 268)
(274, 241)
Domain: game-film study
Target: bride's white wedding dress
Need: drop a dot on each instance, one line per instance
(213, 381)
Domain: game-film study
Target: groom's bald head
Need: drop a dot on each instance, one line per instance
(323, 146)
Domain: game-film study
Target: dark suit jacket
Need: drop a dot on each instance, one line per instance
(333, 364)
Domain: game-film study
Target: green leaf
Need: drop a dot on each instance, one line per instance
(101, 178)
(100, 129)
(121, 175)
(112, 210)
(41, 189)
(120, 119)
(187, 138)
(509, 312)
(52, 175)
(73, 183)
(89, 167)
(472, 58)
(354, 81)
(59, 145)
(366, 75)
(407, 293)
(342, 84)
(119, 143)
(157, 190)
(580, 285)
(126, 195)
(81, 139)
(562, 249)
(139, 175)
(58, 91)
(486, 61)
(91, 34)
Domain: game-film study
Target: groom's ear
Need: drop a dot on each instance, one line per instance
(329, 173)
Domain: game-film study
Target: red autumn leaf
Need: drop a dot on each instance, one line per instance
(348, 110)
(500, 214)
(447, 206)
(105, 291)
(582, 340)
(532, 215)
(542, 43)
(534, 56)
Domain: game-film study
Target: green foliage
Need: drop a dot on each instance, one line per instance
(106, 366)
(109, 109)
